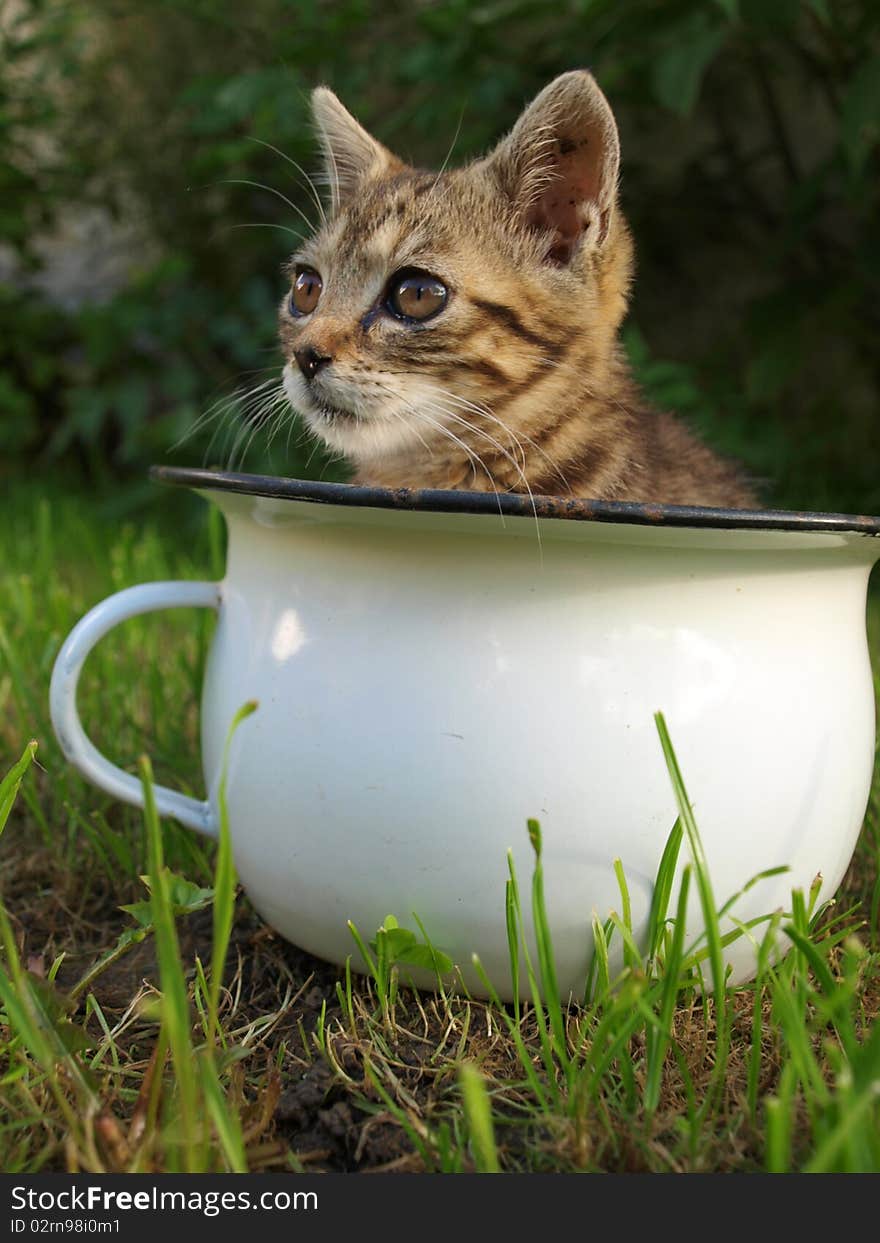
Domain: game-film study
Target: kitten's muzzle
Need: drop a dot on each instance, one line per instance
(310, 361)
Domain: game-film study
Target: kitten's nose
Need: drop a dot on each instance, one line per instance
(310, 361)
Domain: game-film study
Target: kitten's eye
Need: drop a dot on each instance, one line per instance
(306, 292)
(415, 295)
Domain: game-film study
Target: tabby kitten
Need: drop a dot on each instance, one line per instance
(459, 329)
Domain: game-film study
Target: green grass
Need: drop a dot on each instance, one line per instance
(150, 1022)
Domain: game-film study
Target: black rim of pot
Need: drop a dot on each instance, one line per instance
(514, 505)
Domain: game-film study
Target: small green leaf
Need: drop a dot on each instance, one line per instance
(396, 945)
(10, 784)
(678, 71)
(417, 955)
(186, 896)
(820, 8)
(142, 912)
(860, 114)
(73, 1037)
(397, 942)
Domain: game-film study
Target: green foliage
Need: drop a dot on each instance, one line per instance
(816, 1018)
(478, 1112)
(750, 131)
(11, 783)
(185, 898)
(42, 1045)
(62, 556)
(393, 950)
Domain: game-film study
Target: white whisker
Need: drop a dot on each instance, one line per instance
(224, 406)
(510, 458)
(516, 438)
(264, 224)
(308, 181)
(258, 185)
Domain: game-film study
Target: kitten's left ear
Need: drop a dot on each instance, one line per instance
(351, 155)
(560, 163)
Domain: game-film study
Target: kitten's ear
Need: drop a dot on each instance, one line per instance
(560, 162)
(351, 156)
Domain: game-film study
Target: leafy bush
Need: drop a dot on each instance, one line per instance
(750, 134)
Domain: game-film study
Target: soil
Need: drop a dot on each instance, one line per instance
(327, 1123)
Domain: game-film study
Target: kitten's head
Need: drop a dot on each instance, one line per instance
(430, 302)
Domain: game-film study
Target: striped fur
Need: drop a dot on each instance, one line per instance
(519, 384)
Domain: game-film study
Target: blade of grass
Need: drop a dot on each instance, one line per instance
(710, 917)
(478, 1114)
(663, 889)
(174, 997)
(632, 957)
(657, 1042)
(515, 1032)
(546, 959)
(537, 1002)
(225, 881)
(227, 1124)
(701, 867)
(512, 939)
(10, 784)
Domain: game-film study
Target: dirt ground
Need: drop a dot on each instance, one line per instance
(315, 1114)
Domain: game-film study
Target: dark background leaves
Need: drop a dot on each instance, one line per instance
(750, 135)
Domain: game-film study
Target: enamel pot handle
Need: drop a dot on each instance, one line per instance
(74, 741)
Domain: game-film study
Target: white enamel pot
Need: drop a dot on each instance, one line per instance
(434, 668)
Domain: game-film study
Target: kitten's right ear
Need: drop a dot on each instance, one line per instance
(559, 164)
(351, 155)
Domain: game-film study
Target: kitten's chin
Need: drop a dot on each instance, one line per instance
(361, 437)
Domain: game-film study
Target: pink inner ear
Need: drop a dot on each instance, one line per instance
(576, 171)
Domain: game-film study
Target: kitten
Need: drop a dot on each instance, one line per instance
(459, 329)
